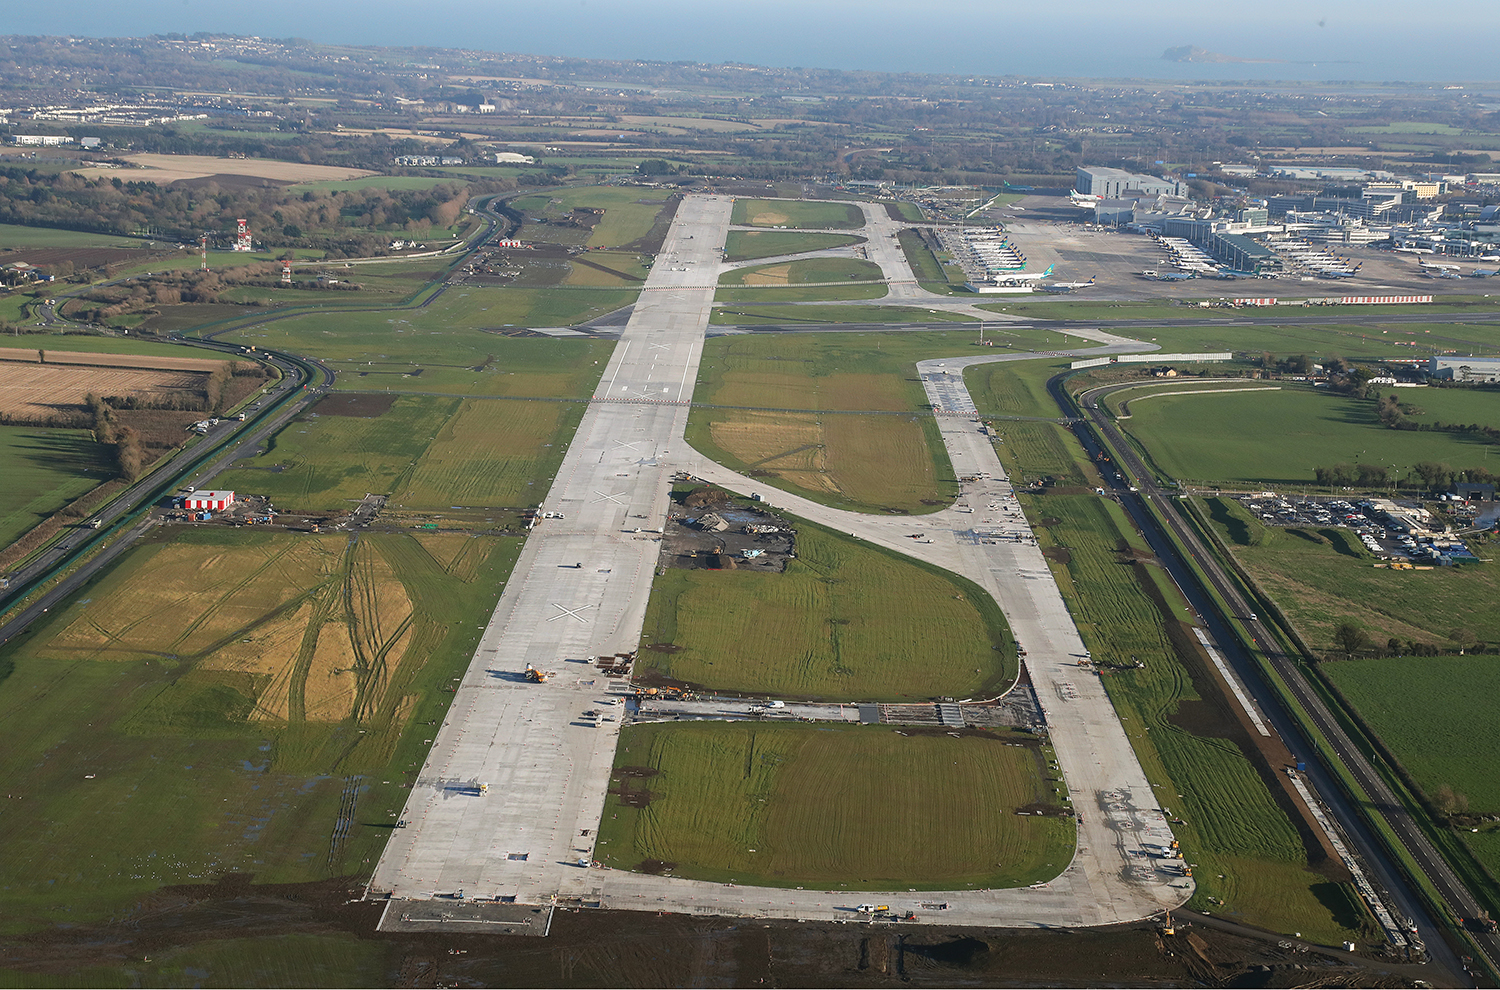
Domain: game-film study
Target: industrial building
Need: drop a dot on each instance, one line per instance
(212, 501)
(1465, 369)
(1116, 183)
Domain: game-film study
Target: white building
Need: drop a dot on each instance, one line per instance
(40, 140)
(1465, 369)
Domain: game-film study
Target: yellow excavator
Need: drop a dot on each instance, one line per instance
(535, 676)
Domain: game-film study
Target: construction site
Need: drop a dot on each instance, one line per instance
(707, 528)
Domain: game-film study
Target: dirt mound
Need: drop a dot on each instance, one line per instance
(706, 496)
(364, 405)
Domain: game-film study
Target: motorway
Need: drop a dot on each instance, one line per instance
(1288, 668)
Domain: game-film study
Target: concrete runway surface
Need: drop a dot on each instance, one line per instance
(506, 805)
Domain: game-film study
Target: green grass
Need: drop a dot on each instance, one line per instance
(400, 182)
(97, 344)
(800, 272)
(1436, 714)
(749, 314)
(919, 256)
(854, 291)
(842, 807)
(748, 245)
(1277, 438)
(328, 462)
(17, 236)
(1450, 405)
(1231, 825)
(797, 214)
(130, 774)
(909, 211)
(380, 350)
(1323, 577)
(1407, 127)
(626, 219)
(846, 621)
(491, 453)
(264, 961)
(867, 463)
(43, 470)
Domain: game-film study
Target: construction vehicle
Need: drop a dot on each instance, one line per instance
(1167, 927)
(535, 676)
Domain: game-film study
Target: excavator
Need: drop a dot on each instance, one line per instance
(535, 676)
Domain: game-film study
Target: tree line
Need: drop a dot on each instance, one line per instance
(344, 223)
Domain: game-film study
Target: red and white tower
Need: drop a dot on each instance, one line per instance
(286, 272)
(203, 252)
(242, 237)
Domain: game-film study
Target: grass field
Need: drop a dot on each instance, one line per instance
(323, 462)
(753, 295)
(400, 182)
(78, 343)
(797, 214)
(1437, 715)
(17, 236)
(751, 315)
(920, 257)
(1277, 438)
(208, 704)
(1183, 735)
(491, 453)
(846, 621)
(863, 462)
(1322, 577)
(440, 348)
(43, 470)
(843, 807)
(256, 961)
(801, 272)
(747, 245)
(629, 212)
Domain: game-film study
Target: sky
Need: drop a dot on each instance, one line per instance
(1368, 40)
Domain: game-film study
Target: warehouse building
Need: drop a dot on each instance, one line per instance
(212, 501)
(1116, 183)
(1465, 369)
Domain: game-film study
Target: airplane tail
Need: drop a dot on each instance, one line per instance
(1047, 272)
(1091, 280)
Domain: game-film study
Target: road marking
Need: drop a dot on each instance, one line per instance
(574, 612)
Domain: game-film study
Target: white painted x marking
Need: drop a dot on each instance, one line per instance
(569, 611)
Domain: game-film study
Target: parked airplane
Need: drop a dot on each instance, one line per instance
(1481, 273)
(1067, 286)
(1437, 267)
(1083, 199)
(1407, 250)
(1022, 278)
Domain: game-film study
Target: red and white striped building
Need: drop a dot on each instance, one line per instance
(214, 501)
